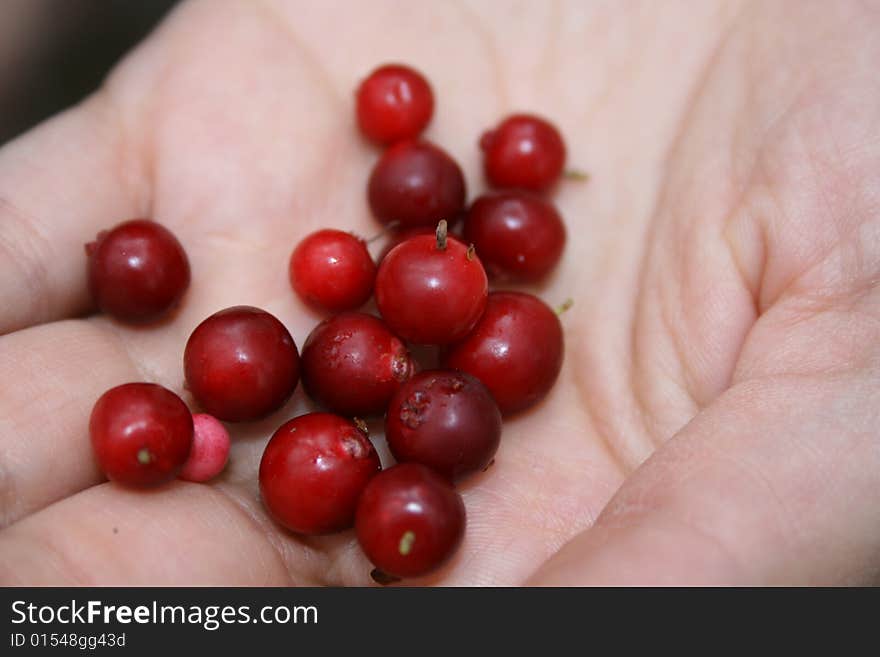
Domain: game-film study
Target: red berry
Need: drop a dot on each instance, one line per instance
(409, 521)
(446, 420)
(332, 270)
(210, 449)
(519, 236)
(393, 103)
(352, 364)
(241, 364)
(515, 350)
(137, 271)
(141, 433)
(313, 472)
(431, 292)
(523, 151)
(415, 183)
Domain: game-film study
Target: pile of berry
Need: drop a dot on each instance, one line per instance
(501, 352)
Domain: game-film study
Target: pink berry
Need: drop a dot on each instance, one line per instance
(210, 449)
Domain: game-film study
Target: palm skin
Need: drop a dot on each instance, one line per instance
(715, 419)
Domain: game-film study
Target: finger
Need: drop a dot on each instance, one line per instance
(50, 376)
(59, 185)
(178, 534)
(776, 484)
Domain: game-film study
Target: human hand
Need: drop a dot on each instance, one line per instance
(715, 419)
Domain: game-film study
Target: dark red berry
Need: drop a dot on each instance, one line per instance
(415, 183)
(393, 103)
(519, 236)
(141, 433)
(332, 270)
(137, 271)
(515, 350)
(409, 521)
(523, 151)
(446, 420)
(352, 364)
(313, 472)
(431, 291)
(241, 364)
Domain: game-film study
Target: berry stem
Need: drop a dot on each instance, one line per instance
(565, 305)
(361, 426)
(441, 235)
(576, 175)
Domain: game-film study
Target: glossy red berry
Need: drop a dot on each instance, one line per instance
(313, 472)
(241, 364)
(523, 151)
(409, 521)
(416, 183)
(352, 364)
(446, 420)
(431, 291)
(519, 236)
(515, 350)
(332, 270)
(141, 434)
(137, 271)
(393, 103)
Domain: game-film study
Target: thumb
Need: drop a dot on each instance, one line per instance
(777, 482)
(59, 185)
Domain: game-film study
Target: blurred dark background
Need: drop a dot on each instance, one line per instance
(54, 52)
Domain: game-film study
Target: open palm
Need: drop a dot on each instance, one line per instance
(716, 417)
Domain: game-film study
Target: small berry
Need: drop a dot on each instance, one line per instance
(332, 270)
(241, 364)
(523, 151)
(446, 420)
(431, 289)
(519, 236)
(415, 183)
(395, 102)
(352, 364)
(141, 434)
(210, 449)
(313, 472)
(516, 350)
(409, 521)
(137, 271)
